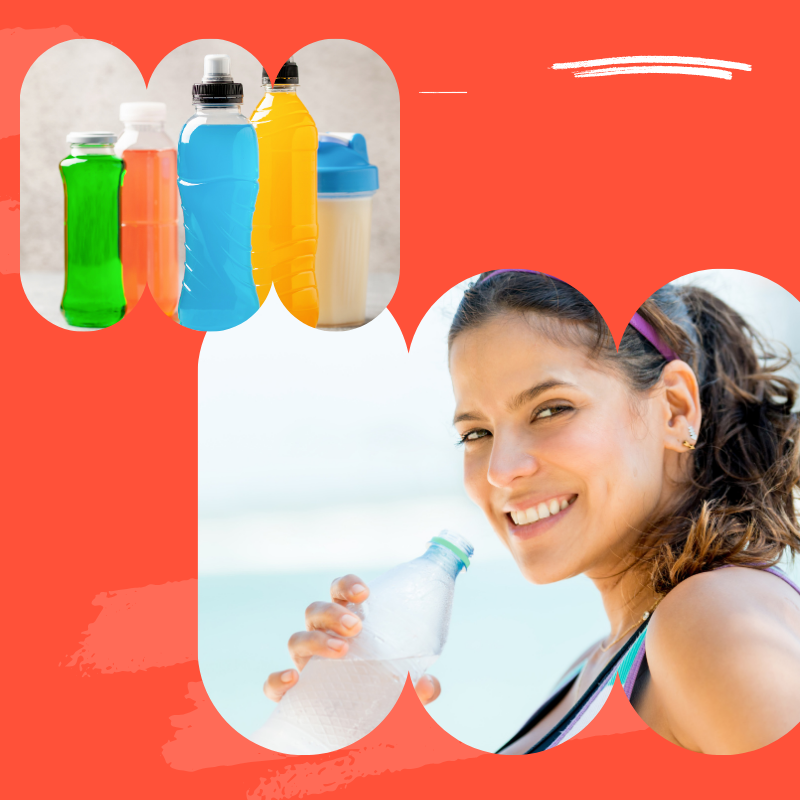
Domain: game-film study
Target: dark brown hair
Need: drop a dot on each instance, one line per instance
(738, 505)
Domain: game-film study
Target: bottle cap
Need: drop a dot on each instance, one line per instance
(143, 112)
(288, 75)
(217, 85)
(91, 137)
(343, 165)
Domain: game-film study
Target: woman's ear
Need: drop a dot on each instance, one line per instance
(682, 414)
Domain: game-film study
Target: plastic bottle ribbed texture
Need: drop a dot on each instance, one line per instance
(218, 182)
(405, 623)
(285, 223)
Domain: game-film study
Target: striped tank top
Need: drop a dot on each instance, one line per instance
(626, 665)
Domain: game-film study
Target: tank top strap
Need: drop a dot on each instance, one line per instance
(632, 663)
(784, 577)
(638, 652)
(625, 668)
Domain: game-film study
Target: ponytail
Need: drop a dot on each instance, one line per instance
(738, 507)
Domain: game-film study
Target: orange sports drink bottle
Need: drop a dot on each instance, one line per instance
(285, 220)
(149, 206)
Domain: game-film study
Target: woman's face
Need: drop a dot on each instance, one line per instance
(563, 460)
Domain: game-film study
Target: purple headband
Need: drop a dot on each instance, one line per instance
(637, 322)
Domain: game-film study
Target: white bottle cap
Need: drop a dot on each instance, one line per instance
(216, 68)
(143, 112)
(91, 137)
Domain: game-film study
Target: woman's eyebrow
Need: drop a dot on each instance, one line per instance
(466, 417)
(517, 402)
(530, 394)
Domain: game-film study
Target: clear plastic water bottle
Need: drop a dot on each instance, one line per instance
(405, 623)
(218, 183)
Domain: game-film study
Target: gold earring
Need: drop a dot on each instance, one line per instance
(689, 445)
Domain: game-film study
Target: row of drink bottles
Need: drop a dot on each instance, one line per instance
(265, 202)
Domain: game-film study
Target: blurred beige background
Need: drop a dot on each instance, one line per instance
(78, 85)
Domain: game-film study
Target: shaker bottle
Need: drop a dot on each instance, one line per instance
(94, 296)
(149, 206)
(346, 185)
(218, 183)
(285, 222)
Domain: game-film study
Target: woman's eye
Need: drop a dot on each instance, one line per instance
(473, 436)
(551, 411)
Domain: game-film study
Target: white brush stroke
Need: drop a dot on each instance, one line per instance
(703, 71)
(700, 62)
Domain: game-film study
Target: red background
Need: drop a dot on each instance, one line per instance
(616, 184)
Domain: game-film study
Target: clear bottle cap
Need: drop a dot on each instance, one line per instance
(91, 137)
(143, 112)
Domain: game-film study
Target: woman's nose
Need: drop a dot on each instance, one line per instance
(510, 459)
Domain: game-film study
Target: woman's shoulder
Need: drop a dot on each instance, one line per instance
(721, 602)
(723, 650)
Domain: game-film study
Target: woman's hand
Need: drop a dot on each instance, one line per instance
(322, 620)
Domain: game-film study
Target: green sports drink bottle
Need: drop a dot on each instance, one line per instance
(92, 174)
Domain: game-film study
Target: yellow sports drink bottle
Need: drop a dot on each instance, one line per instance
(285, 220)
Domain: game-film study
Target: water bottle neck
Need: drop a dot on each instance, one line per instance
(83, 150)
(216, 109)
(450, 556)
(155, 127)
(280, 88)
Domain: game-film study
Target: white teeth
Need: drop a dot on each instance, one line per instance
(525, 517)
(542, 511)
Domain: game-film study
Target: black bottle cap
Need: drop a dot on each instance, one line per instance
(218, 93)
(217, 85)
(289, 75)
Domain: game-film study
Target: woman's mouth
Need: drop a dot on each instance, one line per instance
(545, 509)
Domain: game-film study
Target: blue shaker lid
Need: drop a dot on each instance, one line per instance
(343, 165)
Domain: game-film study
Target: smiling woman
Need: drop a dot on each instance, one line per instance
(664, 472)
(647, 470)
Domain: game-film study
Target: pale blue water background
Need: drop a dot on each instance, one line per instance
(218, 183)
(494, 669)
(322, 454)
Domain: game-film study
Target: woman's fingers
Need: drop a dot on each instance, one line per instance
(332, 617)
(322, 620)
(279, 683)
(349, 589)
(305, 644)
(428, 689)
